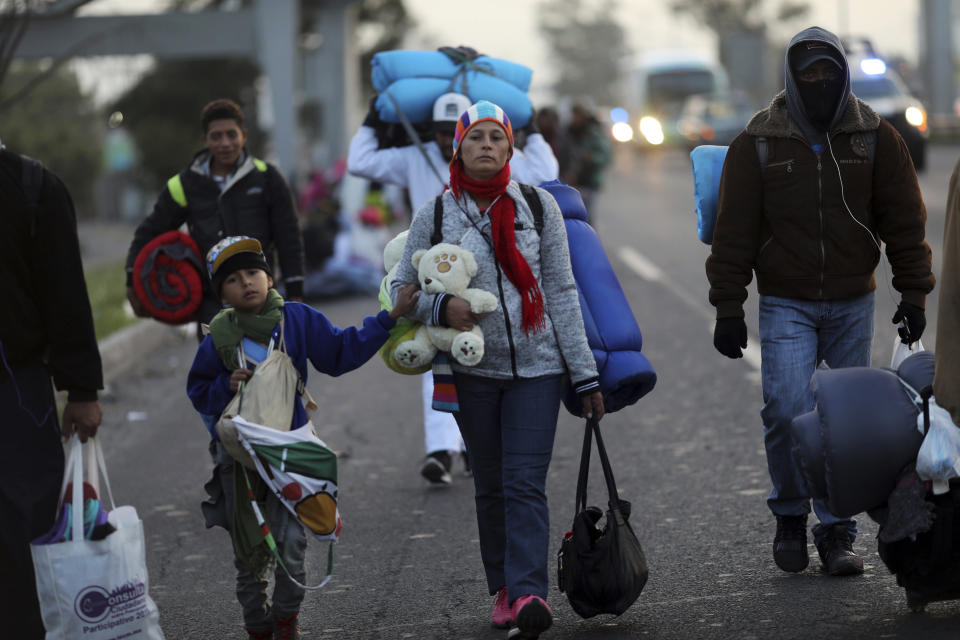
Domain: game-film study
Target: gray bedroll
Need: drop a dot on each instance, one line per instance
(853, 446)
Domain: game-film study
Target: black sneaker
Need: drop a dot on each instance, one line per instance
(836, 553)
(436, 468)
(790, 543)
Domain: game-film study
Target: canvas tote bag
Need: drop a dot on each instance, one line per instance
(266, 399)
(95, 589)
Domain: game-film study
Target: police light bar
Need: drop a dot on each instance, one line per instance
(873, 66)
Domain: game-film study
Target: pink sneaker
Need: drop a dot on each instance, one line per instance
(501, 617)
(532, 617)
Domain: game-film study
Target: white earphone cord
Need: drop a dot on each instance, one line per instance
(854, 218)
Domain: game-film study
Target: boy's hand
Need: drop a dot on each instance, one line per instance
(238, 376)
(406, 297)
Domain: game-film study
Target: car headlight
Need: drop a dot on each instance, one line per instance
(651, 130)
(916, 117)
(621, 132)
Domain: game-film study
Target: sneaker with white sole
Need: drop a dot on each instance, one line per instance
(436, 468)
(501, 617)
(532, 617)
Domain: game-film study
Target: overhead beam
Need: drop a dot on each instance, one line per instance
(205, 34)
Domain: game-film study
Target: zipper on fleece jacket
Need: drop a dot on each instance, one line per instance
(506, 319)
(823, 250)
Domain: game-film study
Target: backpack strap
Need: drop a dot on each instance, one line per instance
(437, 236)
(763, 151)
(175, 187)
(536, 205)
(32, 182)
(529, 194)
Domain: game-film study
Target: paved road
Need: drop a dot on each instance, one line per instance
(689, 457)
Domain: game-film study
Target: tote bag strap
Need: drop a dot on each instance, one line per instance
(605, 462)
(593, 428)
(98, 452)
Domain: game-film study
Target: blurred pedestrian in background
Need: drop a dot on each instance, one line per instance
(225, 191)
(46, 331)
(585, 152)
(534, 347)
(810, 189)
(424, 173)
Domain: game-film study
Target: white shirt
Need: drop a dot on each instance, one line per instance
(406, 166)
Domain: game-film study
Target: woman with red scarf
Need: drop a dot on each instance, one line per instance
(534, 348)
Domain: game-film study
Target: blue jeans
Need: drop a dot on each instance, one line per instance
(795, 336)
(508, 427)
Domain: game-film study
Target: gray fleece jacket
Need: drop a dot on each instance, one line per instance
(508, 352)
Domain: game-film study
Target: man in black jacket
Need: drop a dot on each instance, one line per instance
(225, 191)
(810, 189)
(46, 330)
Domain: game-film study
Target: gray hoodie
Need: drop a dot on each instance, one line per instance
(508, 352)
(795, 107)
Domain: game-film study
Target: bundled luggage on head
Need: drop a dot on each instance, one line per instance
(408, 82)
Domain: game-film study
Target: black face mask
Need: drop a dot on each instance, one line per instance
(820, 100)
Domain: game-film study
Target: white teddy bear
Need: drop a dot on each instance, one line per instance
(446, 268)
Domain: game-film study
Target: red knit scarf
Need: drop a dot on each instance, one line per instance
(502, 214)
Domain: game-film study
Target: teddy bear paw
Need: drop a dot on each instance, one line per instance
(410, 356)
(467, 349)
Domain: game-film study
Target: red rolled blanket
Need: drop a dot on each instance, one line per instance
(167, 277)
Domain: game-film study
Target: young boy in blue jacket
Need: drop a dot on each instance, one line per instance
(240, 276)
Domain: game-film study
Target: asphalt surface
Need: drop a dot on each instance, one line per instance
(689, 457)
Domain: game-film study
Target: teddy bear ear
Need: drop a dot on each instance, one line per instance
(419, 253)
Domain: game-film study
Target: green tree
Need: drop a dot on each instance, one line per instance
(588, 46)
(725, 16)
(56, 123)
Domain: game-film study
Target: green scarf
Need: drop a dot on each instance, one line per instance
(229, 327)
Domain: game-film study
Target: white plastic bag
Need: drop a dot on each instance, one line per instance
(95, 589)
(939, 456)
(902, 351)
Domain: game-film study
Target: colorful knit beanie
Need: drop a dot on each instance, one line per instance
(231, 254)
(481, 112)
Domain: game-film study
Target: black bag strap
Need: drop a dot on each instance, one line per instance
(593, 428)
(529, 194)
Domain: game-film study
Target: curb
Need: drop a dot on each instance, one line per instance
(121, 350)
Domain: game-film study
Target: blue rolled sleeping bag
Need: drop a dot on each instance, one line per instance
(808, 452)
(707, 162)
(390, 66)
(868, 432)
(417, 95)
(625, 374)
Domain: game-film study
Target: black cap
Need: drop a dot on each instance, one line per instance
(804, 54)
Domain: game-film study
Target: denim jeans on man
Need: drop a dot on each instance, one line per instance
(509, 426)
(795, 336)
(291, 545)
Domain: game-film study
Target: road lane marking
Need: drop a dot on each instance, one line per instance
(645, 268)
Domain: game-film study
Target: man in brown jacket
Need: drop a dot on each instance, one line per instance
(809, 190)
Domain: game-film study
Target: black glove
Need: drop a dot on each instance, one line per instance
(915, 320)
(729, 336)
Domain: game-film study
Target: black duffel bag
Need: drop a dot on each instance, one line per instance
(602, 570)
